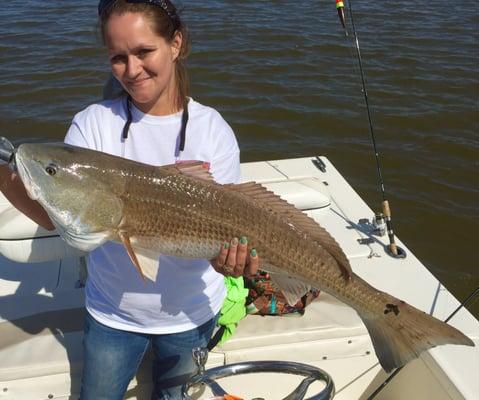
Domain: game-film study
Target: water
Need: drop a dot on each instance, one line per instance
(284, 76)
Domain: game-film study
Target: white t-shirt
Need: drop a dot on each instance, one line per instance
(187, 293)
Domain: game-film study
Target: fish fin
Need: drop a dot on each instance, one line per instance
(291, 288)
(195, 169)
(149, 262)
(260, 195)
(145, 261)
(401, 332)
(125, 239)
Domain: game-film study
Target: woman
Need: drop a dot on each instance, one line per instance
(153, 122)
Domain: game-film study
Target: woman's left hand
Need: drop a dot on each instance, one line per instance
(234, 260)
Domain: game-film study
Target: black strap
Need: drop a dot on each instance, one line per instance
(216, 338)
(184, 122)
(126, 128)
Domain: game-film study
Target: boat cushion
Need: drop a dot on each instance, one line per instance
(14, 225)
(51, 342)
(324, 318)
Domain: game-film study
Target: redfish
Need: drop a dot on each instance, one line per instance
(178, 210)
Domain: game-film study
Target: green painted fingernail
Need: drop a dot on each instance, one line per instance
(243, 240)
(253, 253)
(227, 245)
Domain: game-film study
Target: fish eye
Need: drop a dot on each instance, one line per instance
(51, 169)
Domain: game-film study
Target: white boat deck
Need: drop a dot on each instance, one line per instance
(41, 308)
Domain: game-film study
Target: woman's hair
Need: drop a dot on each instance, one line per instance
(166, 23)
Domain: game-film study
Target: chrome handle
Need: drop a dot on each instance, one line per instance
(311, 374)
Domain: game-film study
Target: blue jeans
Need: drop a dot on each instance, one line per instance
(112, 357)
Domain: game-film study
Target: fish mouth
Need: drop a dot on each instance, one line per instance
(33, 191)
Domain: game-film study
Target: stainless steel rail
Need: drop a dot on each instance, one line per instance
(209, 377)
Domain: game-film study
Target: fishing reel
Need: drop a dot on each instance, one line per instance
(208, 377)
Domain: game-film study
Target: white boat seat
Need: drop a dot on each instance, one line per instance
(324, 318)
(327, 323)
(328, 330)
(22, 240)
(14, 225)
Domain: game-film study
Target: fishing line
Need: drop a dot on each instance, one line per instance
(472, 296)
(393, 249)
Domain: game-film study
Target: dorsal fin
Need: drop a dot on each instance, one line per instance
(297, 218)
(195, 169)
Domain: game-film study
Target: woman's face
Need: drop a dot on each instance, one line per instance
(143, 62)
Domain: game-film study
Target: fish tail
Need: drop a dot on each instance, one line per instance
(401, 332)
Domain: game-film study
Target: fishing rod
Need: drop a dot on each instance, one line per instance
(472, 296)
(393, 249)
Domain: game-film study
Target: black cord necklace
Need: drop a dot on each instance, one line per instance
(129, 116)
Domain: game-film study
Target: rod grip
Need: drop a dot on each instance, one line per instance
(386, 209)
(387, 215)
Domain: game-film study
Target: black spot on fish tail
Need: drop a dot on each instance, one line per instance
(402, 332)
(391, 308)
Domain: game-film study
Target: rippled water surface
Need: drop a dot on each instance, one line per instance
(285, 77)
